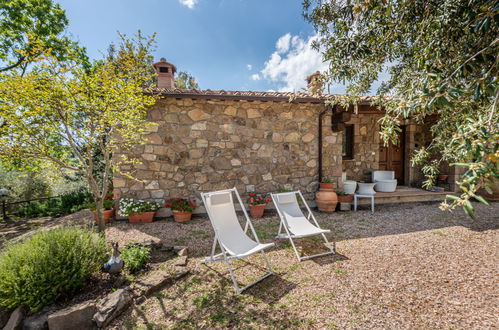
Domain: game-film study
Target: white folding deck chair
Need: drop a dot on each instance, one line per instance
(295, 223)
(232, 239)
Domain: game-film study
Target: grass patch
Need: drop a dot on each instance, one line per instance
(439, 233)
(341, 272)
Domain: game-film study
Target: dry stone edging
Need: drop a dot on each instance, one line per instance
(4, 317)
(157, 281)
(79, 316)
(112, 306)
(16, 319)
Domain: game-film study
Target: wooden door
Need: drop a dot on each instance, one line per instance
(391, 157)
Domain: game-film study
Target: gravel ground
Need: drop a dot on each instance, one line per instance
(406, 266)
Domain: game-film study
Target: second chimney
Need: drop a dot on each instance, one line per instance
(314, 84)
(166, 72)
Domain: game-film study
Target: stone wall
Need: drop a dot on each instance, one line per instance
(201, 145)
(365, 147)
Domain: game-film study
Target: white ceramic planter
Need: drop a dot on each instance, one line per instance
(349, 187)
(366, 188)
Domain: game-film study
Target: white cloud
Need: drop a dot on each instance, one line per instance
(255, 76)
(249, 66)
(292, 61)
(189, 3)
(282, 43)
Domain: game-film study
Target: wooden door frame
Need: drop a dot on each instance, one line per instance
(402, 146)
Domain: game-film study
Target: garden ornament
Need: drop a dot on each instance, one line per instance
(115, 264)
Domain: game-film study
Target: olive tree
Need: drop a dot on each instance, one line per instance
(442, 58)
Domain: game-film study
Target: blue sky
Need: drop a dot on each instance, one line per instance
(226, 44)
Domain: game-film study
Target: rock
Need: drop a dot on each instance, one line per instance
(253, 113)
(267, 177)
(111, 306)
(308, 137)
(345, 206)
(231, 111)
(155, 138)
(75, 317)
(200, 126)
(181, 261)
(157, 280)
(198, 115)
(221, 163)
(150, 244)
(276, 137)
(166, 248)
(157, 194)
(265, 151)
(153, 185)
(181, 250)
(311, 163)
(4, 317)
(292, 137)
(363, 130)
(36, 322)
(15, 320)
(140, 300)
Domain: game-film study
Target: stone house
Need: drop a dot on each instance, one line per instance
(205, 140)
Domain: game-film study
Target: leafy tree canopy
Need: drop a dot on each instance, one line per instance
(30, 28)
(442, 57)
(66, 114)
(185, 81)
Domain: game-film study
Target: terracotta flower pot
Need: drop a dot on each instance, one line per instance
(345, 198)
(180, 216)
(443, 177)
(256, 211)
(106, 214)
(495, 192)
(326, 198)
(141, 217)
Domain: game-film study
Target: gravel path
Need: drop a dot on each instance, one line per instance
(410, 266)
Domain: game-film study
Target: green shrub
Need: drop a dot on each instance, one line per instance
(48, 266)
(135, 257)
(55, 207)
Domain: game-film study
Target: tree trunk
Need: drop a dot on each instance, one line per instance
(99, 207)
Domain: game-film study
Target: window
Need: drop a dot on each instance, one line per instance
(163, 69)
(347, 147)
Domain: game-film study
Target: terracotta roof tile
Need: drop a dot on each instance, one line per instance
(252, 95)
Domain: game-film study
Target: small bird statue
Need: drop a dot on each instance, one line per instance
(114, 265)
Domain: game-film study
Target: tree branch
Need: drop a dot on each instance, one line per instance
(19, 62)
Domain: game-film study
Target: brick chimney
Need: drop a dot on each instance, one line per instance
(166, 72)
(314, 85)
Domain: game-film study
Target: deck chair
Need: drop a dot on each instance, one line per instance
(294, 222)
(229, 235)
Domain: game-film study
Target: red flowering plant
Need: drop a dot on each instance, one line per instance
(181, 204)
(107, 203)
(256, 199)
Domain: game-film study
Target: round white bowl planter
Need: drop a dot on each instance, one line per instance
(366, 188)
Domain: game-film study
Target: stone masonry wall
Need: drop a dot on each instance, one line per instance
(206, 145)
(365, 148)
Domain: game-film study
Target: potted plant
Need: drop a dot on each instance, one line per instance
(326, 198)
(108, 210)
(257, 204)
(343, 197)
(181, 208)
(138, 211)
(442, 176)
